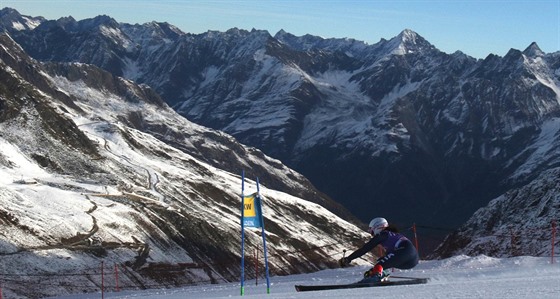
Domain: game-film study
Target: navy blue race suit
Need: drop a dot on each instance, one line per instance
(399, 251)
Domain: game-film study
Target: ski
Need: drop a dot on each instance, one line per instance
(407, 281)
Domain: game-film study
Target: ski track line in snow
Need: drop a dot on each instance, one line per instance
(153, 178)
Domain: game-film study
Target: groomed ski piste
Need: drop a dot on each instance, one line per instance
(456, 277)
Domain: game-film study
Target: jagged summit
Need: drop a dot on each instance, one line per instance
(281, 32)
(12, 19)
(168, 28)
(409, 36)
(6, 11)
(533, 50)
(96, 22)
(302, 43)
(72, 25)
(407, 42)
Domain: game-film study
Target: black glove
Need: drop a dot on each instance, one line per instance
(369, 273)
(343, 262)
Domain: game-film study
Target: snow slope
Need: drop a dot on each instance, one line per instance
(456, 277)
(93, 172)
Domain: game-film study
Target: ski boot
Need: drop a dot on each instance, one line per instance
(375, 274)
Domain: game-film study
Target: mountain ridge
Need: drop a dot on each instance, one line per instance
(397, 128)
(96, 168)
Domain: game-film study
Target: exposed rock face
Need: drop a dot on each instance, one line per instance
(96, 168)
(396, 129)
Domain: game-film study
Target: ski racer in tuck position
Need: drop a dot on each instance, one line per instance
(399, 251)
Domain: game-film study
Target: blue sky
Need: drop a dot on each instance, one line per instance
(476, 27)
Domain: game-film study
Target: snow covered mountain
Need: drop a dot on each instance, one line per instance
(522, 221)
(396, 129)
(96, 168)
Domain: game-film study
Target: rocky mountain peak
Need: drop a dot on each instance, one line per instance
(11, 19)
(101, 20)
(282, 33)
(7, 12)
(409, 36)
(533, 50)
(407, 42)
(169, 29)
(70, 24)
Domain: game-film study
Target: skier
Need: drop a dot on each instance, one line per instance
(399, 251)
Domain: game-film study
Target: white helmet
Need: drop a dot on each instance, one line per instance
(376, 225)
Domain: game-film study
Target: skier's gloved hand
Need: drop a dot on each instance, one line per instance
(369, 273)
(343, 262)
